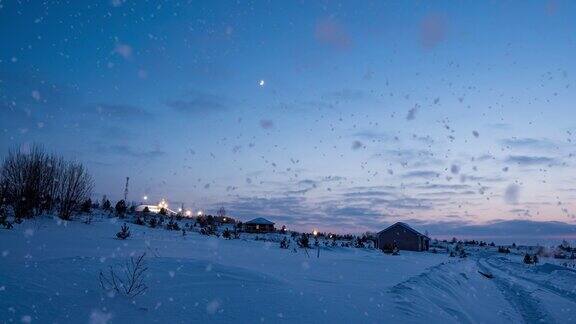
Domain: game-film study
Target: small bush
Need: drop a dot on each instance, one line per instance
(285, 243)
(124, 232)
(172, 225)
(304, 241)
(227, 234)
(132, 284)
(359, 243)
(208, 230)
(153, 222)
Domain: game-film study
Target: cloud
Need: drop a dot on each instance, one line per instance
(344, 95)
(304, 186)
(531, 160)
(376, 193)
(421, 174)
(129, 151)
(374, 136)
(198, 103)
(535, 143)
(331, 32)
(466, 177)
(122, 111)
(412, 157)
(443, 186)
(505, 232)
(499, 126)
(411, 204)
(354, 212)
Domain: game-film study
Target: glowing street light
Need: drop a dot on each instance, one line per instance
(145, 198)
(315, 232)
(200, 213)
(188, 213)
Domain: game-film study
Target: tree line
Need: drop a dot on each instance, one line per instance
(37, 182)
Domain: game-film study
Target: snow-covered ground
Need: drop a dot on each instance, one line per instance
(49, 273)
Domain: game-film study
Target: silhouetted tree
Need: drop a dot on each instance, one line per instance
(120, 208)
(106, 205)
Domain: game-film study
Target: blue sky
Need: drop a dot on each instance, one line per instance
(443, 112)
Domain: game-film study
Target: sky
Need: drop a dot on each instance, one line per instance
(341, 116)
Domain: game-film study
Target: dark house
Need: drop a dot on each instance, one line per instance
(259, 225)
(402, 236)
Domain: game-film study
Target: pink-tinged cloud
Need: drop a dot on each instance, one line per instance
(432, 30)
(330, 32)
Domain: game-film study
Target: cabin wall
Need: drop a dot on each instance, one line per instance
(403, 238)
(252, 228)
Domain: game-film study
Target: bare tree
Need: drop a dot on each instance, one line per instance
(75, 186)
(132, 284)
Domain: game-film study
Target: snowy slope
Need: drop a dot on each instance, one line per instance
(49, 273)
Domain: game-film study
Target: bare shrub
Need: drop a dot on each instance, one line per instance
(132, 283)
(35, 182)
(75, 187)
(124, 232)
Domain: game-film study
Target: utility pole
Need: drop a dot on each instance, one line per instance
(126, 190)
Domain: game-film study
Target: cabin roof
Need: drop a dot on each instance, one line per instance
(260, 221)
(404, 225)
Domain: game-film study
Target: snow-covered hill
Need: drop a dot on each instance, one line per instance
(49, 273)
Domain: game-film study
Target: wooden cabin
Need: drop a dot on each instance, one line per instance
(259, 225)
(402, 236)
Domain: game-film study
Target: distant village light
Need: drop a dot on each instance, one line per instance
(200, 213)
(188, 213)
(145, 198)
(315, 232)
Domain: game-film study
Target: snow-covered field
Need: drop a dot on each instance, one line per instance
(49, 273)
